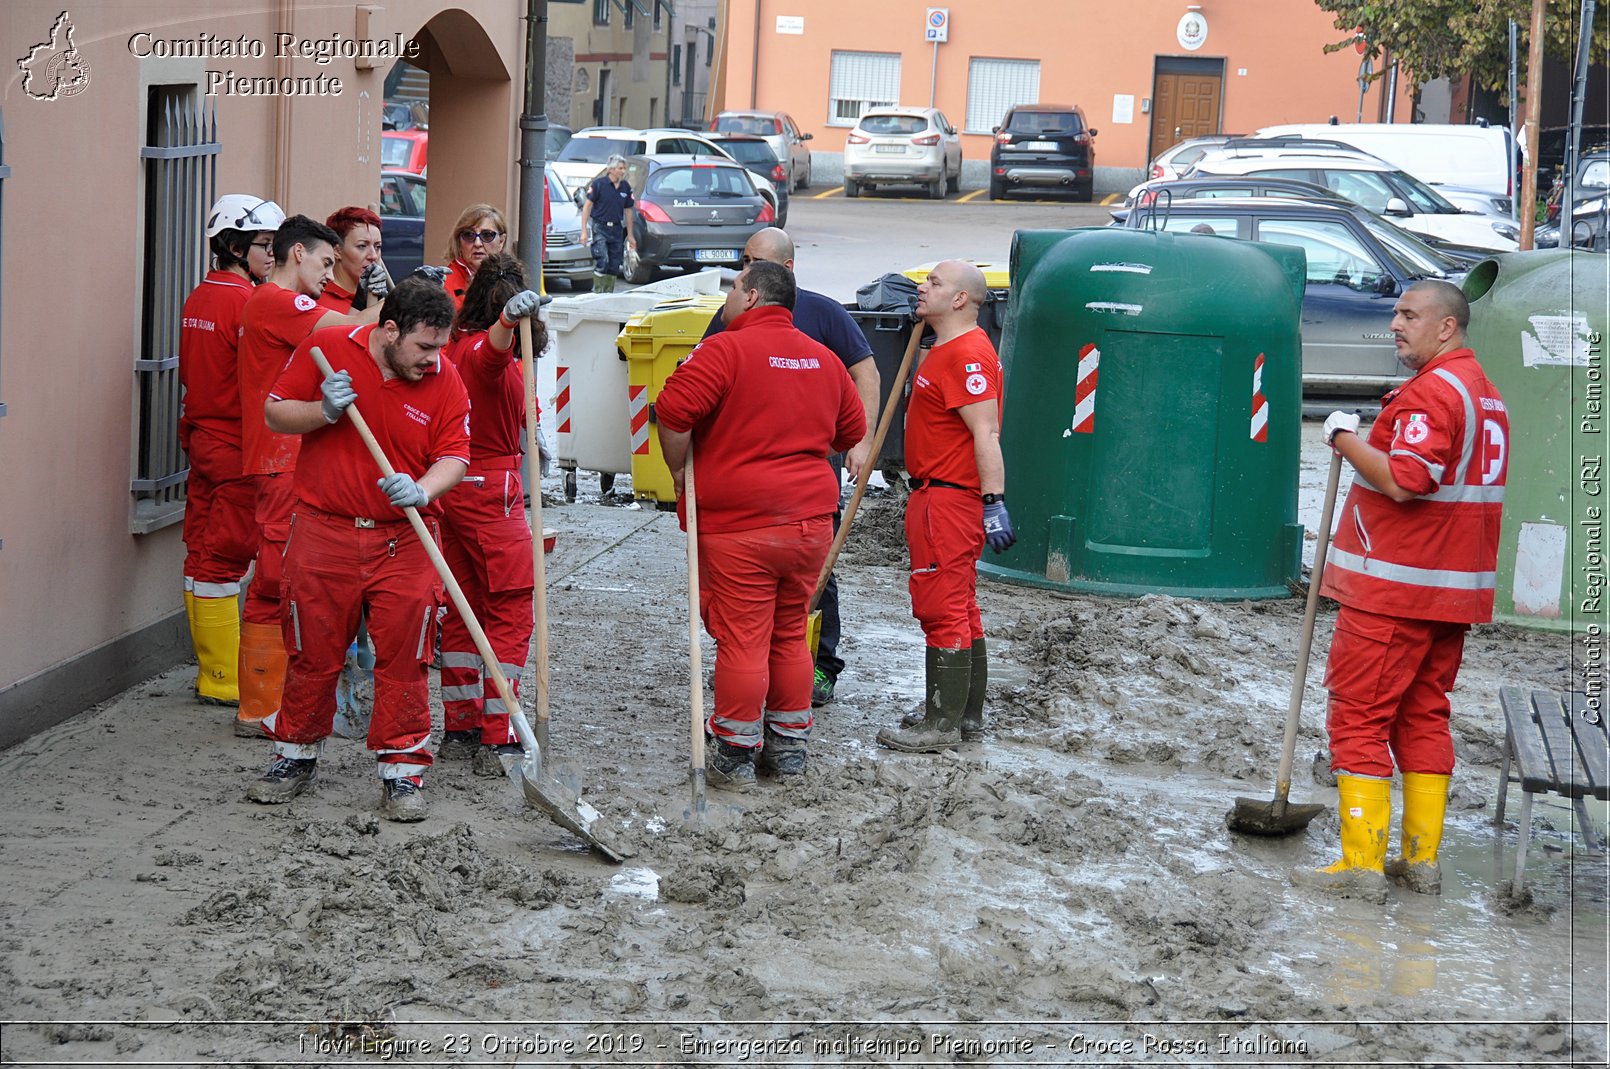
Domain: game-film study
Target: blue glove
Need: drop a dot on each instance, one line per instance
(998, 526)
(404, 491)
(338, 394)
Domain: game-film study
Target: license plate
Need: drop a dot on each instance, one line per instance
(888, 148)
(715, 256)
(1040, 146)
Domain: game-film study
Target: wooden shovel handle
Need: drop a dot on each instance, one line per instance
(539, 568)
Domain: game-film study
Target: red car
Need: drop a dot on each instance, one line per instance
(403, 150)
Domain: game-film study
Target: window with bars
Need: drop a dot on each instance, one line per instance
(676, 64)
(861, 80)
(180, 167)
(996, 85)
(601, 12)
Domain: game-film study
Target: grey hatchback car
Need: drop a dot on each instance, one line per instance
(1358, 263)
(692, 212)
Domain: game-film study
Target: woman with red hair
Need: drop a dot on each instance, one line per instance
(359, 277)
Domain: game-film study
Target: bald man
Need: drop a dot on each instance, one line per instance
(1414, 564)
(823, 319)
(957, 504)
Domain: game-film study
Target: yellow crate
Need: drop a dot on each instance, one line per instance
(996, 276)
(653, 343)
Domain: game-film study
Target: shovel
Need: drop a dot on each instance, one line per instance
(542, 791)
(539, 568)
(813, 628)
(1278, 816)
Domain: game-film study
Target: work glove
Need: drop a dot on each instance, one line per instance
(338, 394)
(521, 305)
(544, 452)
(375, 281)
(404, 491)
(1339, 421)
(430, 273)
(998, 527)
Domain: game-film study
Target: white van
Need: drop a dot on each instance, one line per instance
(1478, 157)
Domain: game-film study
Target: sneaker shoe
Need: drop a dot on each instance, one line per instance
(286, 778)
(401, 800)
(459, 745)
(730, 768)
(822, 689)
(489, 758)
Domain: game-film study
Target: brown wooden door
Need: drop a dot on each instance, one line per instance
(1184, 105)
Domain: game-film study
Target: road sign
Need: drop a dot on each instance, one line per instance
(936, 27)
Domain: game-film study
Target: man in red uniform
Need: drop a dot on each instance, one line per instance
(220, 528)
(1414, 564)
(958, 502)
(281, 313)
(354, 549)
(766, 405)
(485, 536)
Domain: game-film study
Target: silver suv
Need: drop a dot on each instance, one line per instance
(781, 133)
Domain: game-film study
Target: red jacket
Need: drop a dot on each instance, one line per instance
(767, 406)
(1434, 557)
(209, 339)
(496, 387)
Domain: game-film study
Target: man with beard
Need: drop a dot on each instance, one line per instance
(352, 548)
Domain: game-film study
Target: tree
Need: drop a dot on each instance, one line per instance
(1451, 38)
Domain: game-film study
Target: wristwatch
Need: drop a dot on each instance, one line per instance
(993, 499)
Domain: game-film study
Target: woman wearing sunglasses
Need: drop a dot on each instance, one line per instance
(479, 232)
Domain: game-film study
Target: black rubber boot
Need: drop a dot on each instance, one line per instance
(950, 673)
(973, 714)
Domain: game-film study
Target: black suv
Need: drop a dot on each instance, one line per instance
(1043, 146)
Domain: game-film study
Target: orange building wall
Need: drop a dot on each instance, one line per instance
(1087, 51)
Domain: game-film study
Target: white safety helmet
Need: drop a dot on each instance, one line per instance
(241, 211)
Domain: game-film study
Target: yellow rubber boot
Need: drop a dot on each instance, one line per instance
(215, 631)
(1366, 812)
(1425, 802)
(262, 676)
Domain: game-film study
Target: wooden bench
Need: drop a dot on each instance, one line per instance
(1554, 748)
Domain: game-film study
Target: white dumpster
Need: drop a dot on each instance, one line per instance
(582, 380)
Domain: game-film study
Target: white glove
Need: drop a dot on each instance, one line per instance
(1340, 421)
(544, 451)
(375, 281)
(338, 394)
(404, 491)
(521, 305)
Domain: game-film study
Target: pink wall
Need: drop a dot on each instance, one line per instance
(1087, 53)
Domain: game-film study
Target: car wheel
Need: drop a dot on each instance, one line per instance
(954, 183)
(805, 179)
(570, 484)
(637, 272)
(782, 220)
(852, 189)
(936, 189)
(1087, 194)
(997, 189)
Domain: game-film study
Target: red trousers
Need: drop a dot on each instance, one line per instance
(487, 543)
(220, 521)
(276, 496)
(334, 569)
(754, 593)
(945, 534)
(1389, 680)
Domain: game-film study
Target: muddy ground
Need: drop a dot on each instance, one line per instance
(1065, 891)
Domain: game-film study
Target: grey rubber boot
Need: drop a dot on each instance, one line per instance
(603, 283)
(931, 669)
(949, 674)
(973, 714)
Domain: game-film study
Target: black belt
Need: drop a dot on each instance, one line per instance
(920, 484)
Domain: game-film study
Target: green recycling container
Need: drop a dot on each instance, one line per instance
(1152, 414)
(1537, 324)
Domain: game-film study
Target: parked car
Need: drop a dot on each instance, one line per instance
(404, 150)
(1472, 155)
(402, 221)
(1590, 206)
(1380, 187)
(559, 136)
(1357, 265)
(692, 212)
(1043, 146)
(781, 133)
(757, 157)
(1173, 162)
(564, 258)
(903, 146)
(583, 158)
(404, 115)
(1223, 187)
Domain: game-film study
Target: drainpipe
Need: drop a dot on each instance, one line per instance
(533, 140)
(282, 110)
(754, 64)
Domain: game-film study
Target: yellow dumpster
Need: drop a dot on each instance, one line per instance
(653, 343)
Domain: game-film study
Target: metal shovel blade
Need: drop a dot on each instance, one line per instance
(1260, 816)
(564, 806)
